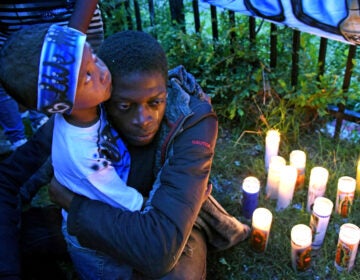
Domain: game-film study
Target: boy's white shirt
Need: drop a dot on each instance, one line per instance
(77, 166)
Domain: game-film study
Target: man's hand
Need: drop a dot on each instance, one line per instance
(60, 195)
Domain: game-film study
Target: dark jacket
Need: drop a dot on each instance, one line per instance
(151, 240)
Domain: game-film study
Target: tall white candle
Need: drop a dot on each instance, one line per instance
(317, 185)
(272, 142)
(301, 237)
(288, 175)
(345, 195)
(273, 178)
(261, 224)
(298, 160)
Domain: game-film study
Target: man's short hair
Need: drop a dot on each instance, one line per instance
(19, 63)
(129, 52)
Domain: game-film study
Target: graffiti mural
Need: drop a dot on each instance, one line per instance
(333, 19)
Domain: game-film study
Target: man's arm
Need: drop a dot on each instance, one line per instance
(152, 242)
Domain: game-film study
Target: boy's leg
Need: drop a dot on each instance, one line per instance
(10, 119)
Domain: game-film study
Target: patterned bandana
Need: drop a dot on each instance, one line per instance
(60, 61)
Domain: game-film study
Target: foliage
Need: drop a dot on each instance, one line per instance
(233, 73)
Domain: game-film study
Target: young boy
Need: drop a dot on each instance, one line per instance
(87, 155)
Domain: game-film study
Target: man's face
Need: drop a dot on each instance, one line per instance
(94, 83)
(137, 106)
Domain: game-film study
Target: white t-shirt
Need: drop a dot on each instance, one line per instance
(80, 166)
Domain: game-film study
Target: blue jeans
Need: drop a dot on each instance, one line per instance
(35, 117)
(10, 118)
(91, 264)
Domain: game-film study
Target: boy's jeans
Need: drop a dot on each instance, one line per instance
(91, 264)
(10, 117)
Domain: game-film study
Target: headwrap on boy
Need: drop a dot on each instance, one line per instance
(39, 66)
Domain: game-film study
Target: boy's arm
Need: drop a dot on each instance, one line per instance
(82, 15)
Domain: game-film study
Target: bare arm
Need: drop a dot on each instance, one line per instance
(84, 10)
(60, 195)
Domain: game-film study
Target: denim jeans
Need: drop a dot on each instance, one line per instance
(10, 118)
(91, 264)
(37, 119)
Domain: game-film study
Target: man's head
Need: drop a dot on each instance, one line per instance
(138, 66)
(51, 68)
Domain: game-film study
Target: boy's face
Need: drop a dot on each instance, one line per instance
(137, 106)
(94, 83)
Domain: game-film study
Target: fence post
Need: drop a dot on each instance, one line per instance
(214, 23)
(346, 83)
(322, 57)
(232, 32)
(195, 4)
(137, 15)
(252, 33)
(273, 45)
(295, 58)
(177, 12)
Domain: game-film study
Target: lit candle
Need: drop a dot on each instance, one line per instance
(317, 185)
(346, 249)
(273, 178)
(345, 195)
(320, 219)
(298, 160)
(301, 236)
(358, 177)
(261, 224)
(250, 195)
(272, 142)
(288, 175)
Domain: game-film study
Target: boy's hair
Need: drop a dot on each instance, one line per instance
(130, 52)
(19, 63)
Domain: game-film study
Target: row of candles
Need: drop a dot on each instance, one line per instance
(282, 181)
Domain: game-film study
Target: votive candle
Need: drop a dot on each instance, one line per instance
(301, 237)
(261, 224)
(273, 177)
(272, 142)
(250, 195)
(298, 160)
(288, 175)
(345, 195)
(317, 185)
(346, 249)
(320, 219)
